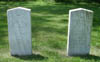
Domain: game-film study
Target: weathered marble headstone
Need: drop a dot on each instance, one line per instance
(79, 32)
(19, 29)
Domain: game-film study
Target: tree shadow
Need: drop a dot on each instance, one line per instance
(32, 57)
(3, 35)
(90, 57)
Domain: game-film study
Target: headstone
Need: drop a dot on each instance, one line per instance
(19, 29)
(79, 32)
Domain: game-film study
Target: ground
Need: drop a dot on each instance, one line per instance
(49, 32)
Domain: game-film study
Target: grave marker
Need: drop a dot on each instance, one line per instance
(19, 29)
(79, 32)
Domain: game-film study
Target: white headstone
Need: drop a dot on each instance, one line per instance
(19, 29)
(79, 32)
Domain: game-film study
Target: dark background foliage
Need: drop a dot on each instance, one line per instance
(63, 1)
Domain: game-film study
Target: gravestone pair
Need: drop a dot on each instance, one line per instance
(79, 30)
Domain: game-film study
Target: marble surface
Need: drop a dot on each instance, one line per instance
(79, 32)
(19, 29)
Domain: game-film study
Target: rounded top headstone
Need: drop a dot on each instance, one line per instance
(81, 9)
(19, 8)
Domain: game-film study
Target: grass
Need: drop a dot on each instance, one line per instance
(49, 32)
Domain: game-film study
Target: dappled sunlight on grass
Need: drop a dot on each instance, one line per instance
(95, 51)
(49, 32)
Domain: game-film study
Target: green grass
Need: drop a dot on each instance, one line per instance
(49, 32)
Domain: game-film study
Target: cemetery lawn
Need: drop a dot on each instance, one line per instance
(49, 32)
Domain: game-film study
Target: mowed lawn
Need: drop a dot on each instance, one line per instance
(49, 32)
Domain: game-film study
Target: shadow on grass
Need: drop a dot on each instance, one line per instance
(3, 35)
(32, 57)
(90, 57)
